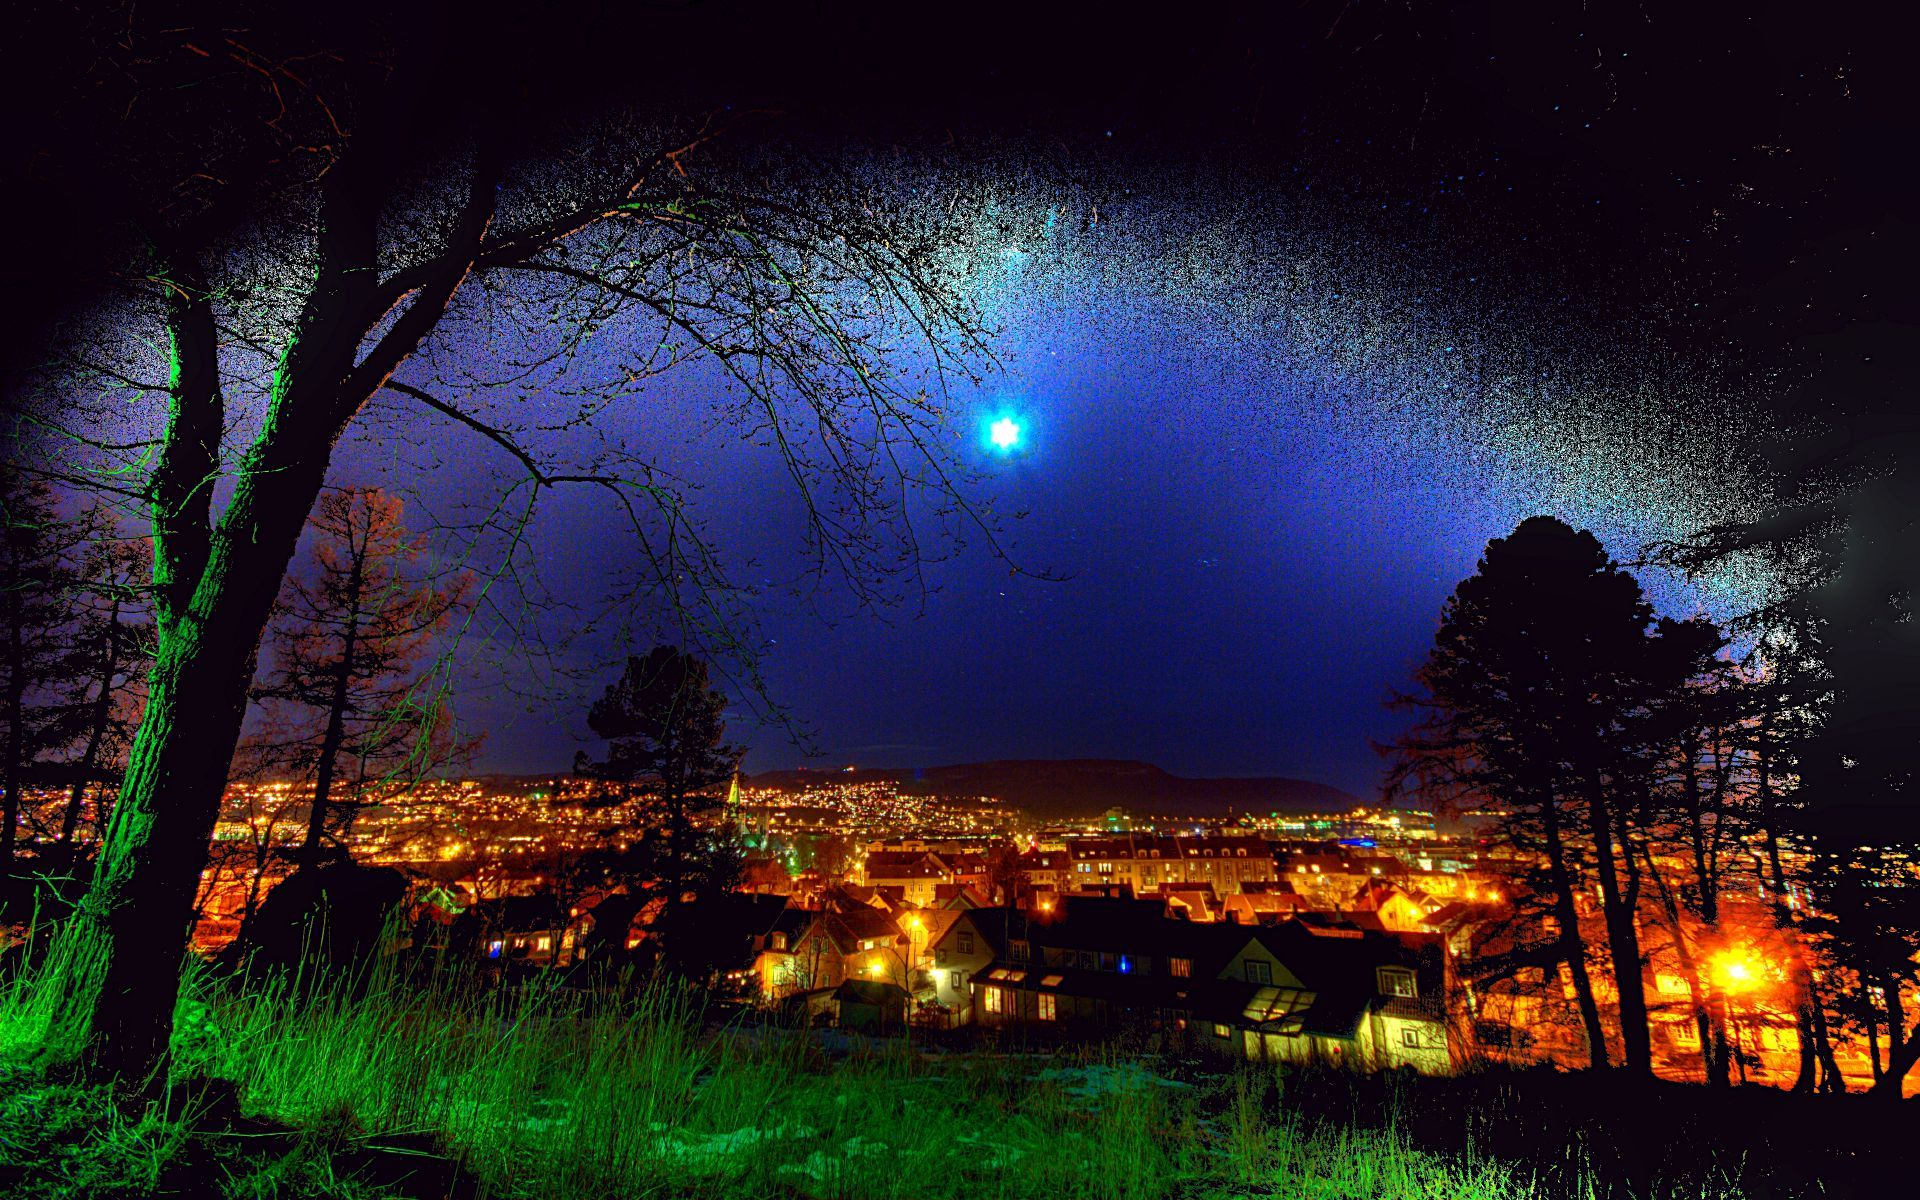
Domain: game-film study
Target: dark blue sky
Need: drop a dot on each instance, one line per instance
(1250, 552)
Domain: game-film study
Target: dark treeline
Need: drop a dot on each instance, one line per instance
(1649, 776)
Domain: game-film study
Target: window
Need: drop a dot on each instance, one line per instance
(1394, 981)
(778, 941)
(994, 999)
(1258, 971)
(966, 941)
(1107, 962)
(545, 943)
(959, 980)
(1046, 1007)
(1051, 980)
(493, 949)
(1180, 966)
(1410, 1038)
(1018, 950)
(1219, 1031)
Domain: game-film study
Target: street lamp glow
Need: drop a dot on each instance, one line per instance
(1004, 433)
(1736, 971)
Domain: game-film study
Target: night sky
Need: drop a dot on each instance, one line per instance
(1366, 287)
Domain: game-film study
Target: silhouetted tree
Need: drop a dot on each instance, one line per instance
(1540, 699)
(36, 595)
(1007, 874)
(668, 767)
(309, 220)
(108, 646)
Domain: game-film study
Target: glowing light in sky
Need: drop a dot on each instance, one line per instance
(1004, 433)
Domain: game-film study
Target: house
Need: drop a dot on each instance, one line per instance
(540, 930)
(1404, 909)
(1193, 903)
(1368, 1002)
(724, 938)
(913, 873)
(1261, 908)
(969, 942)
(1149, 863)
(1286, 991)
(1101, 964)
(871, 1005)
(1047, 870)
(858, 942)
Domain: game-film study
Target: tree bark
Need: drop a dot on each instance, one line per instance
(335, 733)
(98, 721)
(214, 589)
(1623, 939)
(1574, 947)
(16, 736)
(1903, 1047)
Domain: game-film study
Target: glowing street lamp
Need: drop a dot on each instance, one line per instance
(1736, 971)
(1004, 434)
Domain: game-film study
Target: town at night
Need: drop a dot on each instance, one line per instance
(723, 600)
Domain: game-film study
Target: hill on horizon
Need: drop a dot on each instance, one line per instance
(1082, 787)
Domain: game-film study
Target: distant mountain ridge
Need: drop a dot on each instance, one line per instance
(1082, 787)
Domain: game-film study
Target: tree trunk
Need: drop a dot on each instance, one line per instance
(101, 716)
(1623, 940)
(1903, 1047)
(1571, 943)
(214, 587)
(16, 750)
(126, 939)
(335, 734)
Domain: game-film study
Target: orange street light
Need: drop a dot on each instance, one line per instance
(1735, 971)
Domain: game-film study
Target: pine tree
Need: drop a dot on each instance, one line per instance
(670, 766)
(35, 596)
(1538, 697)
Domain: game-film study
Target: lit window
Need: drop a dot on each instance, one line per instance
(993, 999)
(1046, 1007)
(1051, 980)
(1220, 1031)
(1180, 966)
(545, 943)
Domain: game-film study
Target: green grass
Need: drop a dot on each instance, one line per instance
(339, 1087)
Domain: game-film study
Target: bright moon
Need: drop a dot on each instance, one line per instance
(1005, 433)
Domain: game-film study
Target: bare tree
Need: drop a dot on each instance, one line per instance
(337, 268)
(351, 642)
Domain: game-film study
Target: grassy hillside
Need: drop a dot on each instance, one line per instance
(427, 1085)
